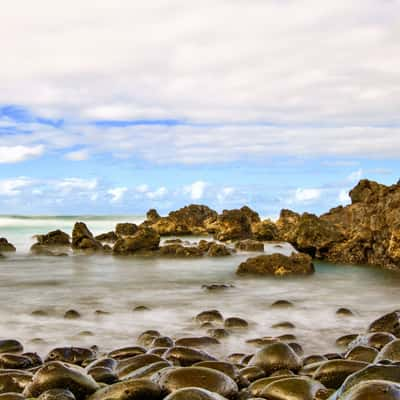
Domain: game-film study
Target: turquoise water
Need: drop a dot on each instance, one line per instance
(172, 289)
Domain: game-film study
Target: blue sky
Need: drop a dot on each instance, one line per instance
(114, 110)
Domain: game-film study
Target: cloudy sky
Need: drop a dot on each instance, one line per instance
(113, 107)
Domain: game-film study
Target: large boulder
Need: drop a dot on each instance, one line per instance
(188, 220)
(126, 229)
(145, 239)
(54, 238)
(277, 264)
(6, 246)
(82, 238)
(233, 225)
(264, 230)
(178, 250)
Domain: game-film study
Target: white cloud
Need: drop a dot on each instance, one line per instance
(79, 155)
(307, 195)
(157, 194)
(344, 197)
(196, 190)
(225, 193)
(13, 154)
(117, 193)
(142, 188)
(76, 185)
(355, 176)
(13, 187)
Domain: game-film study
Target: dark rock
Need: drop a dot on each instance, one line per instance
(344, 312)
(362, 353)
(265, 230)
(162, 341)
(72, 314)
(209, 316)
(193, 393)
(13, 381)
(206, 378)
(15, 361)
(186, 356)
(282, 304)
(218, 250)
(143, 239)
(218, 333)
(82, 238)
(128, 365)
(6, 246)
(374, 390)
(132, 389)
(283, 325)
(178, 250)
(276, 356)
(235, 323)
(312, 359)
(388, 323)
(109, 237)
(152, 215)
(390, 352)
(56, 375)
(126, 229)
(10, 346)
(345, 340)
(200, 341)
(147, 337)
(249, 245)
(227, 368)
(233, 225)
(278, 265)
(57, 394)
(54, 238)
(71, 355)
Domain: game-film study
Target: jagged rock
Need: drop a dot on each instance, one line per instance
(54, 238)
(178, 250)
(145, 239)
(264, 230)
(233, 225)
(152, 215)
(6, 246)
(277, 264)
(218, 250)
(109, 237)
(126, 229)
(251, 215)
(83, 239)
(249, 245)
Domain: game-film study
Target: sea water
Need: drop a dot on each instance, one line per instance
(172, 290)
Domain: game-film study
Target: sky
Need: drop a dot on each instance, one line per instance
(115, 107)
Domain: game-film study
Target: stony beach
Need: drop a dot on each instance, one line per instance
(194, 361)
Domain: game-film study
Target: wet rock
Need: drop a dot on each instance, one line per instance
(127, 365)
(13, 381)
(312, 359)
(250, 374)
(15, 361)
(54, 238)
(249, 245)
(344, 312)
(206, 378)
(345, 340)
(217, 286)
(376, 390)
(126, 229)
(236, 358)
(82, 238)
(282, 304)
(276, 356)
(376, 340)
(72, 314)
(278, 265)
(256, 388)
(236, 323)
(390, 352)
(109, 237)
(71, 355)
(362, 353)
(147, 337)
(12, 396)
(218, 250)
(10, 346)
(103, 375)
(333, 373)
(370, 373)
(283, 325)
(233, 225)
(333, 356)
(178, 250)
(227, 368)
(132, 389)
(387, 323)
(265, 230)
(143, 239)
(209, 316)
(141, 308)
(147, 371)
(6, 246)
(186, 356)
(193, 393)
(200, 341)
(292, 389)
(218, 333)
(152, 216)
(162, 341)
(57, 394)
(297, 348)
(56, 375)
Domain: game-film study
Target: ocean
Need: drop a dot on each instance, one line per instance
(172, 290)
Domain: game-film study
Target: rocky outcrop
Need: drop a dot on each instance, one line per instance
(145, 239)
(6, 246)
(249, 245)
(126, 229)
(233, 225)
(189, 220)
(178, 250)
(264, 230)
(152, 215)
(308, 233)
(278, 265)
(54, 238)
(82, 238)
(108, 237)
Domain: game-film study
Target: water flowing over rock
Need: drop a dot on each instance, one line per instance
(6, 246)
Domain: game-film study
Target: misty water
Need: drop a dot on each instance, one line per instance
(172, 290)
